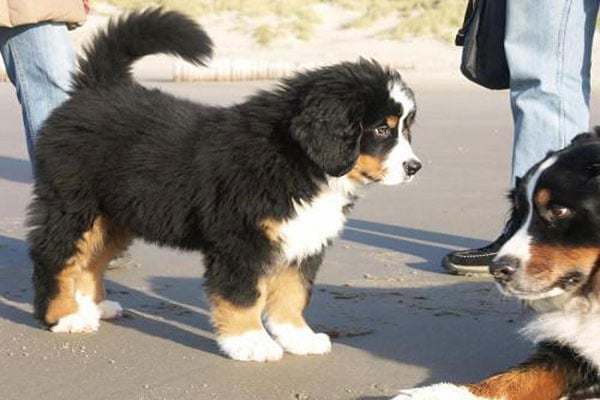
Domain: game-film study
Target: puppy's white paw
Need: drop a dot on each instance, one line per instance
(440, 391)
(76, 323)
(251, 346)
(301, 341)
(85, 320)
(110, 309)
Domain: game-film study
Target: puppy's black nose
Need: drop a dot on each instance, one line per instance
(504, 268)
(411, 167)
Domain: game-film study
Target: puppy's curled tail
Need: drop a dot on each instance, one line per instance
(108, 60)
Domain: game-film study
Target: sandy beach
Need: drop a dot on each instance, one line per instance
(396, 319)
(430, 61)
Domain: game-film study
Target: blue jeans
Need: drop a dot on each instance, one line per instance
(548, 49)
(39, 60)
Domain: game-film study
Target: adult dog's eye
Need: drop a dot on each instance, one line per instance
(560, 212)
(382, 131)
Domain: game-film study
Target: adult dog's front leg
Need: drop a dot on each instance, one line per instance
(522, 384)
(553, 372)
(440, 391)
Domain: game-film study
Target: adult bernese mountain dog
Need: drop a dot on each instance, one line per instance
(552, 262)
(260, 188)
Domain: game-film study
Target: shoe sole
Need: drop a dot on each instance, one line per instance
(464, 269)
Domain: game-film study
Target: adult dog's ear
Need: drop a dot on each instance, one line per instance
(329, 133)
(586, 137)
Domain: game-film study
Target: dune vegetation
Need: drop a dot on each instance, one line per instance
(300, 18)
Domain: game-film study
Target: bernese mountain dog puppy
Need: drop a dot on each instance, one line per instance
(552, 263)
(259, 188)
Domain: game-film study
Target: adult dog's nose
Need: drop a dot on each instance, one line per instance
(503, 268)
(411, 167)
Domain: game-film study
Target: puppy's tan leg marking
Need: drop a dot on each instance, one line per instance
(64, 302)
(231, 319)
(94, 253)
(91, 279)
(287, 297)
(240, 332)
(80, 302)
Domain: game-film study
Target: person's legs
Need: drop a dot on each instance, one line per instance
(39, 60)
(548, 49)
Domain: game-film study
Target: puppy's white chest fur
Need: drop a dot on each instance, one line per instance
(316, 222)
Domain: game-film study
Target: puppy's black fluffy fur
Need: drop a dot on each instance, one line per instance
(186, 175)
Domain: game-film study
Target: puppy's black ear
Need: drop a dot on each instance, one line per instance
(329, 133)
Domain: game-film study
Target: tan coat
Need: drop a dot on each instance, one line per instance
(22, 12)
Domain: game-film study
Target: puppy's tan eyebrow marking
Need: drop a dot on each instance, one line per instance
(392, 121)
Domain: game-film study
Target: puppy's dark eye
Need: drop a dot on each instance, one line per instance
(559, 212)
(382, 131)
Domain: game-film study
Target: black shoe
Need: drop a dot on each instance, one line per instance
(477, 261)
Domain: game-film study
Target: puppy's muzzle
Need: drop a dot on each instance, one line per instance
(411, 167)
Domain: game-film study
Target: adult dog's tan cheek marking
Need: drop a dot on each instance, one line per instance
(549, 263)
(368, 166)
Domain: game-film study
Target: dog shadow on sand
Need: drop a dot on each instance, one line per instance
(459, 330)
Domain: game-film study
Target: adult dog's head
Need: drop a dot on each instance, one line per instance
(556, 250)
(355, 119)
